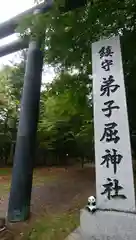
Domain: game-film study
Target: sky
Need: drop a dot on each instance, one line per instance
(9, 9)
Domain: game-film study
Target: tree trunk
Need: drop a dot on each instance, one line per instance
(82, 162)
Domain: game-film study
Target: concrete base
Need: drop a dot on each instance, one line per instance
(107, 225)
(75, 235)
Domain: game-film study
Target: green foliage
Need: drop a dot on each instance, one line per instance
(65, 124)
(66, 115)
(68, 38)
(11, 82)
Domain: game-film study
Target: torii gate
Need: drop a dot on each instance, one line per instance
(21, 185)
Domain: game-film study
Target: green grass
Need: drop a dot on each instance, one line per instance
(56, 226)
(5, 171)
(4, 189)
(5, 175)
(53, 227)
(41, 180)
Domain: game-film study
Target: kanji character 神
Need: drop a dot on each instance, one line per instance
(111, 157)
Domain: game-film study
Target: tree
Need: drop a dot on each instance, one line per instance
(68, 39)
(11, 82)
(66, 113)
(69, 36)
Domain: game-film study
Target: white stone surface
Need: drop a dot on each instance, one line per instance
(75, 235)
(124, 172)
(108, 225)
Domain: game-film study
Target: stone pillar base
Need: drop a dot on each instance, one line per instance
(108, 225)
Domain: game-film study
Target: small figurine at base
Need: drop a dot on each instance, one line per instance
(91, 206)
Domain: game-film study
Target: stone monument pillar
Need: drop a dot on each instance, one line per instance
(115, 216)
